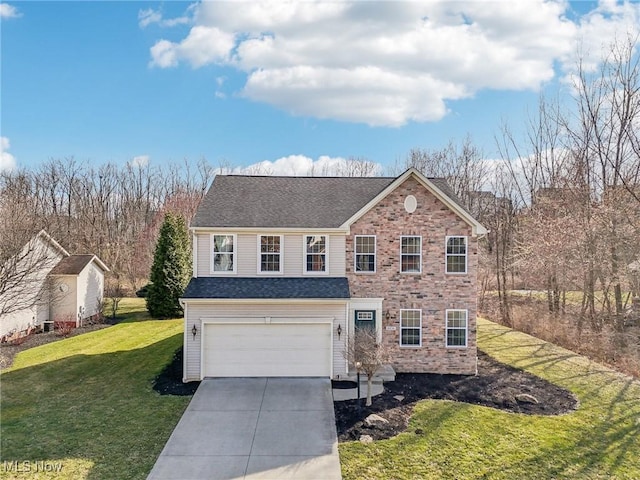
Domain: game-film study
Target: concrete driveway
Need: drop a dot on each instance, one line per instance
(254, 428)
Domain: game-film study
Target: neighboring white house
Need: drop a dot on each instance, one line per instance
(45, 284)
(78, 283)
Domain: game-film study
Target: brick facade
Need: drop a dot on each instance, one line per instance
(432, 291)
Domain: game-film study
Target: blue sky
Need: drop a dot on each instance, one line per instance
(248, 82)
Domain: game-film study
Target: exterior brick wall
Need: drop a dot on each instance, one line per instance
(432, 291)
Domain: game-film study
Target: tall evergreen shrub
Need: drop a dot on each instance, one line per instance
(171, 268)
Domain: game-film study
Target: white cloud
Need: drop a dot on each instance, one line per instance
(140, 161)
(387, 63)
(7, 161)
(203, 45)
(9, 11)
(301, 165)
(150, 16)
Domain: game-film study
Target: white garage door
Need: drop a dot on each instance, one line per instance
(267, 350)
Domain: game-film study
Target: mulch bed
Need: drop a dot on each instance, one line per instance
(169, 381)
(496, 385)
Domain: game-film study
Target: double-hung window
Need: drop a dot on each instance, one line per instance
(270, 254)
(457, 328)
(224, 253)
(410, 328)
(365, 253)
(410, 254)
(456, 253)
(315, 260)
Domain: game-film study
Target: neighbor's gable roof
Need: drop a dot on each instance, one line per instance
(74, 264)
(42, 234)
(236, 201)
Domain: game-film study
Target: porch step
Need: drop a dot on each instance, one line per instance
(385, 373)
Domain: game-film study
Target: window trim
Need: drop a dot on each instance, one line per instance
(233, 254)
(419, 272)
(304, 254)
(355, 255)
(419, 328)
(259, 270)
(447, 255)
(447, 328)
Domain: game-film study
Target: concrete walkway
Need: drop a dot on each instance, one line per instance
(254, 428)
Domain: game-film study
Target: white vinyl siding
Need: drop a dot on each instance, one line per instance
(64, 303)
(292, 253)
(457, 328)
(199, 314)
(456, 254)
(410, 328)
(90, 289)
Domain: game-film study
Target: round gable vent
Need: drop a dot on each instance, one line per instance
(410, 204)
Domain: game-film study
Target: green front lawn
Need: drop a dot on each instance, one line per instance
(86, 403)
(601, 440)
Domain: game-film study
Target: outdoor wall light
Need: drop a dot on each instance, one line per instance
(194, 331)
(339, 331)
(388, 315)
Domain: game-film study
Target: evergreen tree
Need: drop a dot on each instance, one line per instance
(171, 268)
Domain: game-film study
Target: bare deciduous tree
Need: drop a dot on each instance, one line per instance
(364, 349)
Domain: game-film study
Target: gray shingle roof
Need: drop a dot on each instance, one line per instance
(291, 202)
(71, 265)
(257, 287)
(308, 202)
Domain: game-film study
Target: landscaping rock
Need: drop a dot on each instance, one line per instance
(399, 397)
(526, 398)
(366, 439)
(374, 420)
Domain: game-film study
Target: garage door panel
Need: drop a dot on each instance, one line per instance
(267, 350)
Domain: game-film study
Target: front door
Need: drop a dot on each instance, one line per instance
(365, 319)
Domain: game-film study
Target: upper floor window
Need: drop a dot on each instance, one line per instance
(270, 255)
(410, 328)
(315, 254)
(224, 253)
(456, 328)
(365, 253)
(456, 253)
(410, 254)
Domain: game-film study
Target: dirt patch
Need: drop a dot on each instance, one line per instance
(497, 385)
(8, 350)
(169, 381)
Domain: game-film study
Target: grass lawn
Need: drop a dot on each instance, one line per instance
(86, 403)
(601, 440)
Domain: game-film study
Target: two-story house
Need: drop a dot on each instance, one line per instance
(286, 268)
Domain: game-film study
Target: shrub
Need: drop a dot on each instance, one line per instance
(171, 268)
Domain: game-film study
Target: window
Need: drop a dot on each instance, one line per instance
(223, 253)
(410, 254)
(410, 328)
(456, 254)
(367, 316)
(315, 253)
(270, 253)
(365, 254)
(456, 328)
